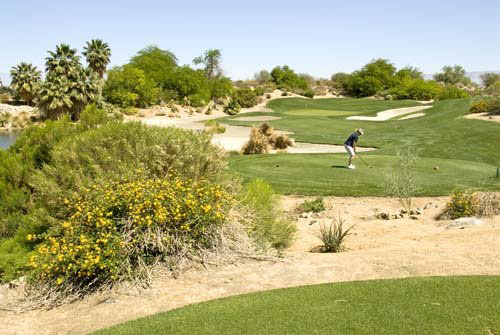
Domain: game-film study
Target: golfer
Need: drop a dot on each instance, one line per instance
(350, 146)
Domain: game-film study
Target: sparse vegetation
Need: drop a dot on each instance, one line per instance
(316, 206)
(263, 139)
(333, 235)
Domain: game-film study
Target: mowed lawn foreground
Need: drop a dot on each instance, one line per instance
(436, 305)
(467, 152)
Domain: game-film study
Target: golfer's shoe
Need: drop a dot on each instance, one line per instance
(352, 167)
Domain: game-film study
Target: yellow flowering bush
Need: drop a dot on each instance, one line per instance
(462, 204)
(112, 231)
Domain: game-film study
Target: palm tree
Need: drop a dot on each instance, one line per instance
(64, 61)
(97, 54)
(211, 59)
(26, 81)
(55, 98)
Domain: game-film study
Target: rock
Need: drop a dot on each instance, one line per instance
(395, 216)
(465, 222)
(384, 216)
(401, 215)
(403, 211)
(313, 222)
(419, 211)
(413, 217)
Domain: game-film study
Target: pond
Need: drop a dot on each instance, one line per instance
(7, 138)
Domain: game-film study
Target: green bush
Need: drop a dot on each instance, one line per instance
(416, 89)
(285, 78)
(232, 108)
(220, 88)
(259, 91)
(309, 94)
(245, 97)
(114, 231)
(129, 110)
(480, 106)
(270, 227)
(494, 106)
(317, 205)
(128, 86)
(188, 82)
(452, 92)
(461, 204)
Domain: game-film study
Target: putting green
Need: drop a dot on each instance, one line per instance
(439, 305)
(326, 174)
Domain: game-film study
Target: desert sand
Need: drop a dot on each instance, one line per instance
(412, 116)
(484, 117)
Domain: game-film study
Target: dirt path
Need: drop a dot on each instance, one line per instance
(377, 249)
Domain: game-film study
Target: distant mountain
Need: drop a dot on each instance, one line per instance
(475, 76)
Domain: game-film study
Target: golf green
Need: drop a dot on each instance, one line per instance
(438, 305)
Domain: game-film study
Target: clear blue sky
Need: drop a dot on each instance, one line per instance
(317, 37)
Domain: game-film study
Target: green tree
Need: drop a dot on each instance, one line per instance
(220, 87)
(262, 77)
(409, 72)
(158, 64)
(26, 80)
(452, 75)
(68, 86)
(211, 59)
(285, 77)
(128, 86)
(98, 56)
(490, 78)
(381, 70)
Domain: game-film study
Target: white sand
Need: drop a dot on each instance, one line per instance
(484, 117)
(389, 114)
(257, 118)
(412, 116)
(311, 148)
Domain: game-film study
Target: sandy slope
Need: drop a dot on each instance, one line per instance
(412, 116)
(389, 114)
(377, 249)
(484, 117)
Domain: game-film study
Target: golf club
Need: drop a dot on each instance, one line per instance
(364, 161)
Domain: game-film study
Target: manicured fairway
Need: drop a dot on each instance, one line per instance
(326, 174)
(441, 137)
(439, 305)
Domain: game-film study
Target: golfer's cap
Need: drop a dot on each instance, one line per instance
(360, 130)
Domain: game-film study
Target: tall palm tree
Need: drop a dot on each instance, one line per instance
(64, 61)
(98, 56)
(26, 80)
(55, 98)
(211, 59)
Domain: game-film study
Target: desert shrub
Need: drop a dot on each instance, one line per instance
(489, 203)
(259, 91)
(157, 65)
(245, 97)
(452, 92)
(268, 96)
(114, 231)
(129, 110)
(333, 236)
(317, 205)
(220, 88)
(214, 127)
(309, 93)
(480, 106)
(493, 107)
(258, 143)
(232, 108)
(269, 225)
(400, 180)
(416, 89)
(284, 94)
(452, 75)
(461, 204)
(282, 142)
(285, 78)
(188, 82)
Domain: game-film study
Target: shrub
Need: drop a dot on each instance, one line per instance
(269, 226)
(214, 127)
(232, 108)
(268, 96)
(462, 204)
(309, 93)
(494, 106)
(258, 143)
(129, 110)
(285, 77)
(333, 236)
(480, 106)
(317, 205)
(489, 203)
(245, 97)
(400, 179)
(115, 231)
(452, 92)
(284, 94)
(259, 91)
(282, 142)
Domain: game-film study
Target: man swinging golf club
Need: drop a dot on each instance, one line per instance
(350, 146)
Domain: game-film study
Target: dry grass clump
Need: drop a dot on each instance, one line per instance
(263, 139)
(488, 203)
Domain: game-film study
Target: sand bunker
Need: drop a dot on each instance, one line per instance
(312, 148)
(412, 116)
(389, 114)
(484, 117)
(257, 118)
